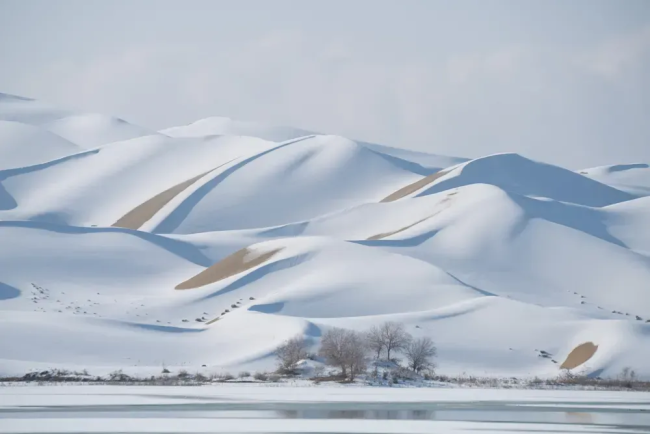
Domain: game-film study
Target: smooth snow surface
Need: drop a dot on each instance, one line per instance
(86, 130)
(632, 178)
(250, 408)
(507, 263)
(26, 145)
(225, 126)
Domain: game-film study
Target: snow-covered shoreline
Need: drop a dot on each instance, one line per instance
(468, 383)
(229, 393)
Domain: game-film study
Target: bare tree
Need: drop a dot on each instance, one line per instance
(394, 336)
(291, 352)
(420, 354)
(333, 348)
(375, 341)
(345, 349)
(357, 351)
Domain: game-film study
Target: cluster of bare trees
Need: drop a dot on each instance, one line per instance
(393, 337)
(348, 350)
(345, 349)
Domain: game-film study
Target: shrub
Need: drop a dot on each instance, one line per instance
(274, 378)
(404, 374)
(319, 371)
(286, 372)
(260, 376)
(118, 376)
(244, 374)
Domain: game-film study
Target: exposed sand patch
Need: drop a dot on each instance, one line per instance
(146, 210)
(580, 354)
(388, 234)
(413, 187)
(447, 199)
(236, 263)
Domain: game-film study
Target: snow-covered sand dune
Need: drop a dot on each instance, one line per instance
(631, 178)
(209, 244)
(86, 130)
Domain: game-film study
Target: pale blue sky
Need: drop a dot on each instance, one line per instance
(562, 81)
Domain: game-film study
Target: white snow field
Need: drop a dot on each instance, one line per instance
(260, 409)
(123, 248)
(632, 178)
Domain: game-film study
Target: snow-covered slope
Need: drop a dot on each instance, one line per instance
(26, 145)
(92, 130)
(100, 186)
(517, 174)
(217, 125)
(631, 178)
(86, 130)
(294, 181)
(212, 243)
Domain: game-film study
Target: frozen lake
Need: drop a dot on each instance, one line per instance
(278, 409)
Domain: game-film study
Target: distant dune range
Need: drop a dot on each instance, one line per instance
(497, 259)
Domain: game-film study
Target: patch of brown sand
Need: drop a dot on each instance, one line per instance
(446, 200)
(146, 210)
(388, 234)
(580, 354)
(413, 187)
(236, 263)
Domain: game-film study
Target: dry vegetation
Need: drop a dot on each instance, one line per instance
(625, 381)
(181, 378)
(348, 354)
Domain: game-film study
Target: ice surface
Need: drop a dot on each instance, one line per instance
(104, 409)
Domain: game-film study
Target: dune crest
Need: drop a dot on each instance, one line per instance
(240, 261)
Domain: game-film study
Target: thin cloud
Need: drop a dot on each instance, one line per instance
(520, 97)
